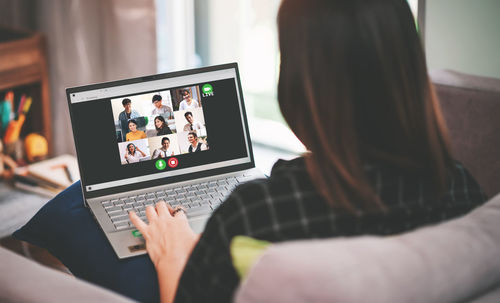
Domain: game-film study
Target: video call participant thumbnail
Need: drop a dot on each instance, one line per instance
(164, 151)
(159, 108)
(134, 134)
(162, 126)
(133, 154)
(127, 114)
(187, 102)
(195, 145)
(192, 124)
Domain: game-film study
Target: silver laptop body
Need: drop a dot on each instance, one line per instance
(126, 164)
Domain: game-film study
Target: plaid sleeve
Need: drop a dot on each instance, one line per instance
(466, 187)
(464, 193)
(209, 275)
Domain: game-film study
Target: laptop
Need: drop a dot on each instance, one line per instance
(180, 137)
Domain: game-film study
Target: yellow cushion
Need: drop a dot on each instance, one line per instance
(245, 251)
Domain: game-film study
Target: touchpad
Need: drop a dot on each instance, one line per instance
(198, 223)
(138, 247)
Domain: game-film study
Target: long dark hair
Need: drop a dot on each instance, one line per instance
(354, 88)
(164, 129)
(163, 122)
(128, 150)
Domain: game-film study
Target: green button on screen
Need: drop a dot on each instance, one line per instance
(207, 88)
(136, 233)
(160, 164)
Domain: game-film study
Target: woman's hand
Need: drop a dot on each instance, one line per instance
(142, 153)
(169, 238)
(169, 242)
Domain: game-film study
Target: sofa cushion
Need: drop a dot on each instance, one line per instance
(22, 280)
(456, 261)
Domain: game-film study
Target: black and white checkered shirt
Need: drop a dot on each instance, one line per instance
(287, 207)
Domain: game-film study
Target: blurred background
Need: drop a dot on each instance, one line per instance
(93, 41)
(49, 45)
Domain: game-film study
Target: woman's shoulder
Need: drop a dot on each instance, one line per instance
(459, 168)
(460, 176)
(163, 131)
(293, 166)
(463, 185)
(394, 185)
(287, 181)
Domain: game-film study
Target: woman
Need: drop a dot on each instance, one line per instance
(133, 154)
(162, 127)
(134, 134)
(187, 103)
(353, 86)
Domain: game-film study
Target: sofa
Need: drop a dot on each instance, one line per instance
(23, 280)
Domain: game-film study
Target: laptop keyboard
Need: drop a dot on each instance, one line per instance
(198, 199)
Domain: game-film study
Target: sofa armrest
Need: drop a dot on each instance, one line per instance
(23, 280)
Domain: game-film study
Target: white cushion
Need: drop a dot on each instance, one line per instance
(456, 261)
(22, 280)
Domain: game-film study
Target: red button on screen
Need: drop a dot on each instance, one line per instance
(173, 162)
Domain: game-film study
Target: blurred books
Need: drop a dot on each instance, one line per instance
(48, 177)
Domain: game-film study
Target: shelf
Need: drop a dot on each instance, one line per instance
(23, 64)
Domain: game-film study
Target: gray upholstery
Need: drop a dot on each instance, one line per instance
(457, 261)
(16, 208)
(471, 108)
(22, 280)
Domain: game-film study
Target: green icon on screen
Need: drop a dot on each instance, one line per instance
(161, 164)
(207, 89)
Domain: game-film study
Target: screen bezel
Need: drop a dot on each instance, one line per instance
(173, 179)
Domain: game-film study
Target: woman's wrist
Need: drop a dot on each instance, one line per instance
(175, 259)
(170, 263)
(169, 274)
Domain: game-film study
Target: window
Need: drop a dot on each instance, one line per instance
(175, 35)
(245, 32)
(220, 31)
(414, 7)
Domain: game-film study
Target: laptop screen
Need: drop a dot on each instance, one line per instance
(150, 131)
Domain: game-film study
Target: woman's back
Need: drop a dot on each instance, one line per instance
(287, 207)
